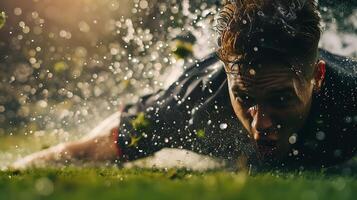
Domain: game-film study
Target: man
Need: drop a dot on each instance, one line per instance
(278, 100)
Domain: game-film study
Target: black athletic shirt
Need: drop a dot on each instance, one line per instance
(195, 113)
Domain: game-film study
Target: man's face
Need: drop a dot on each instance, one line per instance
(272, 101)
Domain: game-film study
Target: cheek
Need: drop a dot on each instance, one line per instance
(290, 120)
(240, 112)
(299, 112)
(303, 89)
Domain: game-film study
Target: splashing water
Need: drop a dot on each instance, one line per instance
(88, 65)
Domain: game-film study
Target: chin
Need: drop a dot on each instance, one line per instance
(267, 152)
(270, 153)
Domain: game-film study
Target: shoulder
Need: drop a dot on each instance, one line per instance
(340, 86)
(343, 66)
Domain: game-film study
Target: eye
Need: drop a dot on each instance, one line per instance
(284, 101)
(234, 66)
(244, 99)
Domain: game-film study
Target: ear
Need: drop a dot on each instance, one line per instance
(319, 75)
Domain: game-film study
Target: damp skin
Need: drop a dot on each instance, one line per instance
(272, 102)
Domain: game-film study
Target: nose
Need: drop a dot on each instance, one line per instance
(261, 120)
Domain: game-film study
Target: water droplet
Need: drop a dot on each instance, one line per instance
(44, 186)
(295, 152)
(17, 11)
(292, 139)
(337, 153)
(252, 72)
(348, 119)
(223, 126)
(320, 135)
(260, 13)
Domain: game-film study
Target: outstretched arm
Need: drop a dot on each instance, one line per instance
(98, 146)
(186, 115)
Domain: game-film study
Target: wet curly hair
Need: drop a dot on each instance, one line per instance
(251, 28)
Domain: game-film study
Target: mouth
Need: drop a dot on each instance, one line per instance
(267, 146)
(267, 152)
(266, 143)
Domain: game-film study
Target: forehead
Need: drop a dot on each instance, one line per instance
(261, 79)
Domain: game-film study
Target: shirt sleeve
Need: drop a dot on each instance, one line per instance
(194, 113)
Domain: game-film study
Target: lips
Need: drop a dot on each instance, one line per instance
(267, 145)
(266, 142)
(267, 152)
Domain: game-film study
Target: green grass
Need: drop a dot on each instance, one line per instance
(130, 184)
(114, 183)
(13, 147)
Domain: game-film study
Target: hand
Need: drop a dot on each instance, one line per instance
(98, 146)
(42, 158)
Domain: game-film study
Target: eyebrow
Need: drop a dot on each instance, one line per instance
(231, 65)
(277, 92)
(282, 91)
(235, 88)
